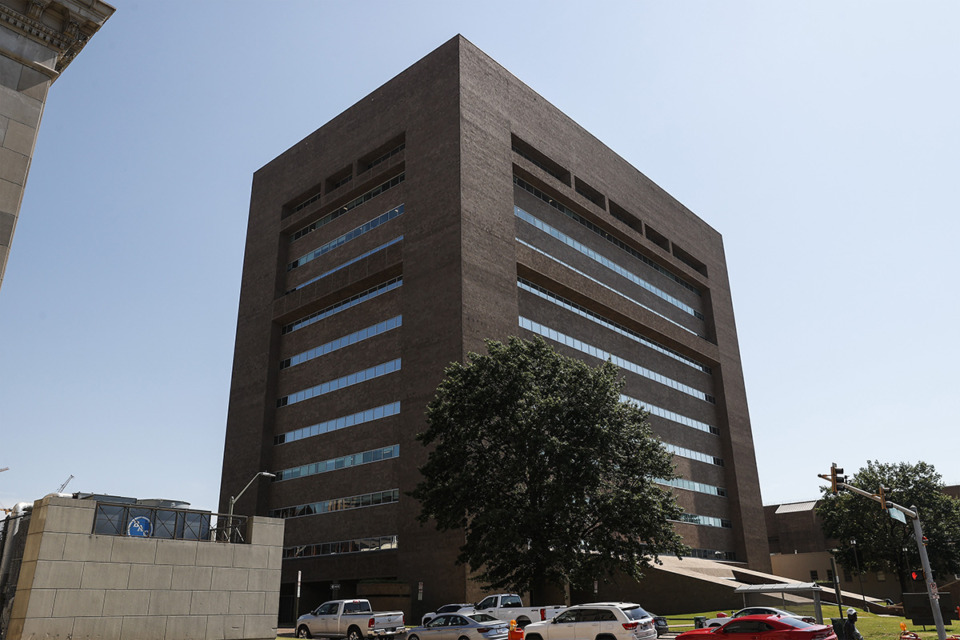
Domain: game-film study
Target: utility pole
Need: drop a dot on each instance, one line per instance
(901, 513)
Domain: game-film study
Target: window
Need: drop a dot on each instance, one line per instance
(814, 576)
(343, 341)
(583, 312)
(488, 603)
(353, 234)
(352, 301)
(340, 383)
(510, 601)
(356, 202)
(368, 415)
(335, 464)
(567, 616)
(339, 504)
(603, 234)
(583, 347)
(358, 545)
(603, 260)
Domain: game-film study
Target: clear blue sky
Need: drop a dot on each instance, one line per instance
(822, 139)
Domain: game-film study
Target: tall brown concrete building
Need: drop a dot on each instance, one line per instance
(38, 39)
(451, 205)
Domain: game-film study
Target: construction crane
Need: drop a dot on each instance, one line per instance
(65, 483)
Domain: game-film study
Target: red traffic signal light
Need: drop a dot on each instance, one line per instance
(917, 575)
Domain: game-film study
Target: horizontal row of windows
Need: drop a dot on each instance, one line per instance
(345, 264)
(601, 259)
(523, 184)
(353, 204)
(343, 462)
(706, 521)
(553, 171)
(673, 416)
(353, 234)
(343, 422)
(340, 383)
(337, 307)
(690, 485)
(344, 341)
(374, 499)
(693, 455)
(607, 287)
(359, 545)
(560, 301)
(712, 554)
(583, 347)
(383, 158)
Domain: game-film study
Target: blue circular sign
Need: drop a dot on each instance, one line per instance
(139, 527)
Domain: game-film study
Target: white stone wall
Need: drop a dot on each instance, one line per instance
(77, 585)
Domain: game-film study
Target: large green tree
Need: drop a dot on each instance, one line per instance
(882, 543)
(550, 476)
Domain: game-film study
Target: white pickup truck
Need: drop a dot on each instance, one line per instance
(351, 619)
(509, 606)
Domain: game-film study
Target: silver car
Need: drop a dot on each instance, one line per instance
(458, 626)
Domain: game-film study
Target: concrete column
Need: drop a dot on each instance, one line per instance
(38, 39)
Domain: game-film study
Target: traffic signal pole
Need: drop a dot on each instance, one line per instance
(839, 482)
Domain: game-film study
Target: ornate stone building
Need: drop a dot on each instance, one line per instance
(38, 39)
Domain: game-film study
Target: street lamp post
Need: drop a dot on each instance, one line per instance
(856, 558)
(233, 500)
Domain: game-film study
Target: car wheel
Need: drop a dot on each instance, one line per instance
(354, 634)
(413, 637)
(463, 638)
(303, 632)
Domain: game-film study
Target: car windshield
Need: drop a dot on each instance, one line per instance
(796, 622)
(483, 617)
(636, 613)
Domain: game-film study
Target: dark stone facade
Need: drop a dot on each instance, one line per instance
(460, 129)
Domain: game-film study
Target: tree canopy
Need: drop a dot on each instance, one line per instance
(882, 543)
(549, 474)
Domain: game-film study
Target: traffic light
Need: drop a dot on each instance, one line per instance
(883, 498)
(835, 477)
(917, 575)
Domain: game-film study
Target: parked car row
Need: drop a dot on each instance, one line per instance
(486, 620)
(356, 620)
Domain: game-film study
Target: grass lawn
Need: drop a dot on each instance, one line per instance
(871, 626)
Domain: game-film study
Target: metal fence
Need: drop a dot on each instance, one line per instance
(138, 521)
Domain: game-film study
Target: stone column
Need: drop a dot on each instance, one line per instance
(38, 39)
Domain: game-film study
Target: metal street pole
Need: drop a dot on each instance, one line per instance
(839, 483)
(836, 584)
(856, 559)
(928, 575)
(233, 501)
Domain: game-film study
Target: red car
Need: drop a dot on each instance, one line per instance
(763, 628)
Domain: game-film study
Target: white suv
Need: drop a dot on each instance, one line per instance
(596, 621)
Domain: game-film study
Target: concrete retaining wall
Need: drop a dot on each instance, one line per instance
(77, 585)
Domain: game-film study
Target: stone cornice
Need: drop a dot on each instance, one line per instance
(78, 22)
